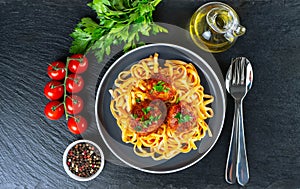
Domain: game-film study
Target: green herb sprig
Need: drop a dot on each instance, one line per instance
(134, 116)
(138, 100)
(147, 123)
(147, 109)
(120, 22)
(182, 118)
(159, 87)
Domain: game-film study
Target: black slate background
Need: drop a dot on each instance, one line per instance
(35, 33)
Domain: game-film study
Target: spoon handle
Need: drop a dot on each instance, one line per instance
(230, 170)
(242, 163)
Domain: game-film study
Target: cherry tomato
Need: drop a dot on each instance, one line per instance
(78, 66)
(56, 70)
(54, 90)
(54, 110)
(74, 104)
(77, 125)
(74, 83)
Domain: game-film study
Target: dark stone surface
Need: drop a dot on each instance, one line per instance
(34, 33)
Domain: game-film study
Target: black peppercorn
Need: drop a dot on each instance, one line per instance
(83, 160)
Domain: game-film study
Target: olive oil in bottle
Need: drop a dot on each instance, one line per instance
(214, 27)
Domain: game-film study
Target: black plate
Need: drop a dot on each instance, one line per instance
(111, 133)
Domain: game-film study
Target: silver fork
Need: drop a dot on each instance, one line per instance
(238, 82)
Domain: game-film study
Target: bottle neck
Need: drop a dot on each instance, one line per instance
(225, 21)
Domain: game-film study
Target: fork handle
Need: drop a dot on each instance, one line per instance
(242, 162)
(230, 170)
(237, 164)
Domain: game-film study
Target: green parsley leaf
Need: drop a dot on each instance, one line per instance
(119, 22)
(160, 82)
(148, 122)
(138, 128)
(156, 118)
(134, 116)
(182, 118)
(160, 88)
(178, 115)
(137, 100)
(146, 110)
(165, 90)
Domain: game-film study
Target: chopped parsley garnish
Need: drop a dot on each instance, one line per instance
(177, 100)
(182, 118)
(138, 128)
(160, 88)
(146, 110)
(166, 90)
(156, 118)
(134, 116)
(146, 123)
(137, 100)
(160, 82)
(149, 121)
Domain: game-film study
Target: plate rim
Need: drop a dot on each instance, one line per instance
(176, 47)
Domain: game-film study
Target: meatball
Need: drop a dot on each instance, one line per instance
(148, 116)
(180, 117)
(158, 89)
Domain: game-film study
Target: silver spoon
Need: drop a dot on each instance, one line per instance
(238, 82)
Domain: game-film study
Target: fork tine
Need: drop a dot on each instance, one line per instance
(234, 72)
(238, 66)
(243, 63)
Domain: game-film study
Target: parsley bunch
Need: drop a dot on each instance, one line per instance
(120, 22)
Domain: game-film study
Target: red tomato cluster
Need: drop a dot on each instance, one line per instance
(63, 89)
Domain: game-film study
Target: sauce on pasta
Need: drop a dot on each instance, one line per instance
(161, 110)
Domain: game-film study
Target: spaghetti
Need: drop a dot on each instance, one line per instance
(161, 110)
